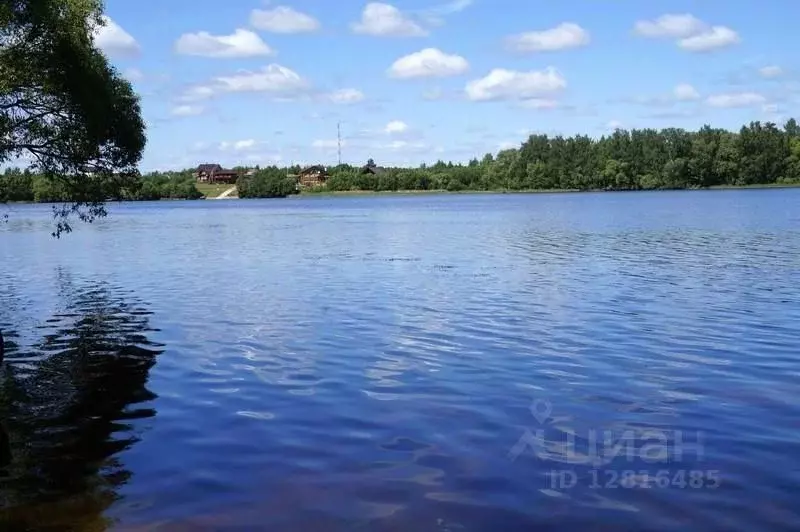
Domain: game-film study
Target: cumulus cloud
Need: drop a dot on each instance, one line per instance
(712, 39)
(736, 99)
(672, 26)
(428, 63)
(562, 37)
(346, 96)
(502, 84)
(275, 80)
(115, 41)
(396, 127)
(613, 125)
(241, 43)
(197, 93)
(685, 92)
(283, 19)
(689, 32)
(186, 110)
(770, 71)
(385, 20)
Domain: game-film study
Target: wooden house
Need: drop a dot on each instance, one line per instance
(312, 176)
(214, 173)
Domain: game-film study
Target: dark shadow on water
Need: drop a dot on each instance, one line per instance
(69, 405)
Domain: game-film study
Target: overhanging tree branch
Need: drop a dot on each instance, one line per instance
(64, 105)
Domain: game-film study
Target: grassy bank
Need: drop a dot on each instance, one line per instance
(211, 190)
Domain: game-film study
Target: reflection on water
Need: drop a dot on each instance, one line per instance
(69, 403)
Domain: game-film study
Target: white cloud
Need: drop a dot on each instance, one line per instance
(273, 79)
(685, 92)
(712, 39)
(197, 93)
(346, 96)
(562, 37)
(186, 110)
(241, 43)
(736, 99)
(115, 41)
(395, 127)
(282, 19)
(385, 20)
(613, 125)
(770, 72)
(502, 84)
(239, 145)
(673, 26)
(770, 108)
(430, 63)
(689, 32)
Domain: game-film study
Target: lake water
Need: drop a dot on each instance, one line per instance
(446, 363)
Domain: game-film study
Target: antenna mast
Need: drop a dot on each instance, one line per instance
(339, 140)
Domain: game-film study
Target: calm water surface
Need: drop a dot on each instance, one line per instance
(445, 363)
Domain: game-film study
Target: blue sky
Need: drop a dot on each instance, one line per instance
(252, 82)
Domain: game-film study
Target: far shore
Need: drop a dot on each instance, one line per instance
(370, 193)
(328, 193)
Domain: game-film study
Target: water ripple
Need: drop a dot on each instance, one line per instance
(425, 363)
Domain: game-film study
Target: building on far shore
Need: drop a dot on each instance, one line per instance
(372, 168)
(312, 176)
(214, 173)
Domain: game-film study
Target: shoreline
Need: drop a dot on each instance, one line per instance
(367, 193)
(328, 193)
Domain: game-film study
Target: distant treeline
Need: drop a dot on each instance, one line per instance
(639, 159)
(642, 159)
(24, 185)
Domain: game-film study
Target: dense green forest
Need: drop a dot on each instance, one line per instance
(23, 185)
(643, 159)
(639, 159)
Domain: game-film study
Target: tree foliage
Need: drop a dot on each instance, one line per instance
(269, 182)
(639, 159)
(24, 185)
(63, 107)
